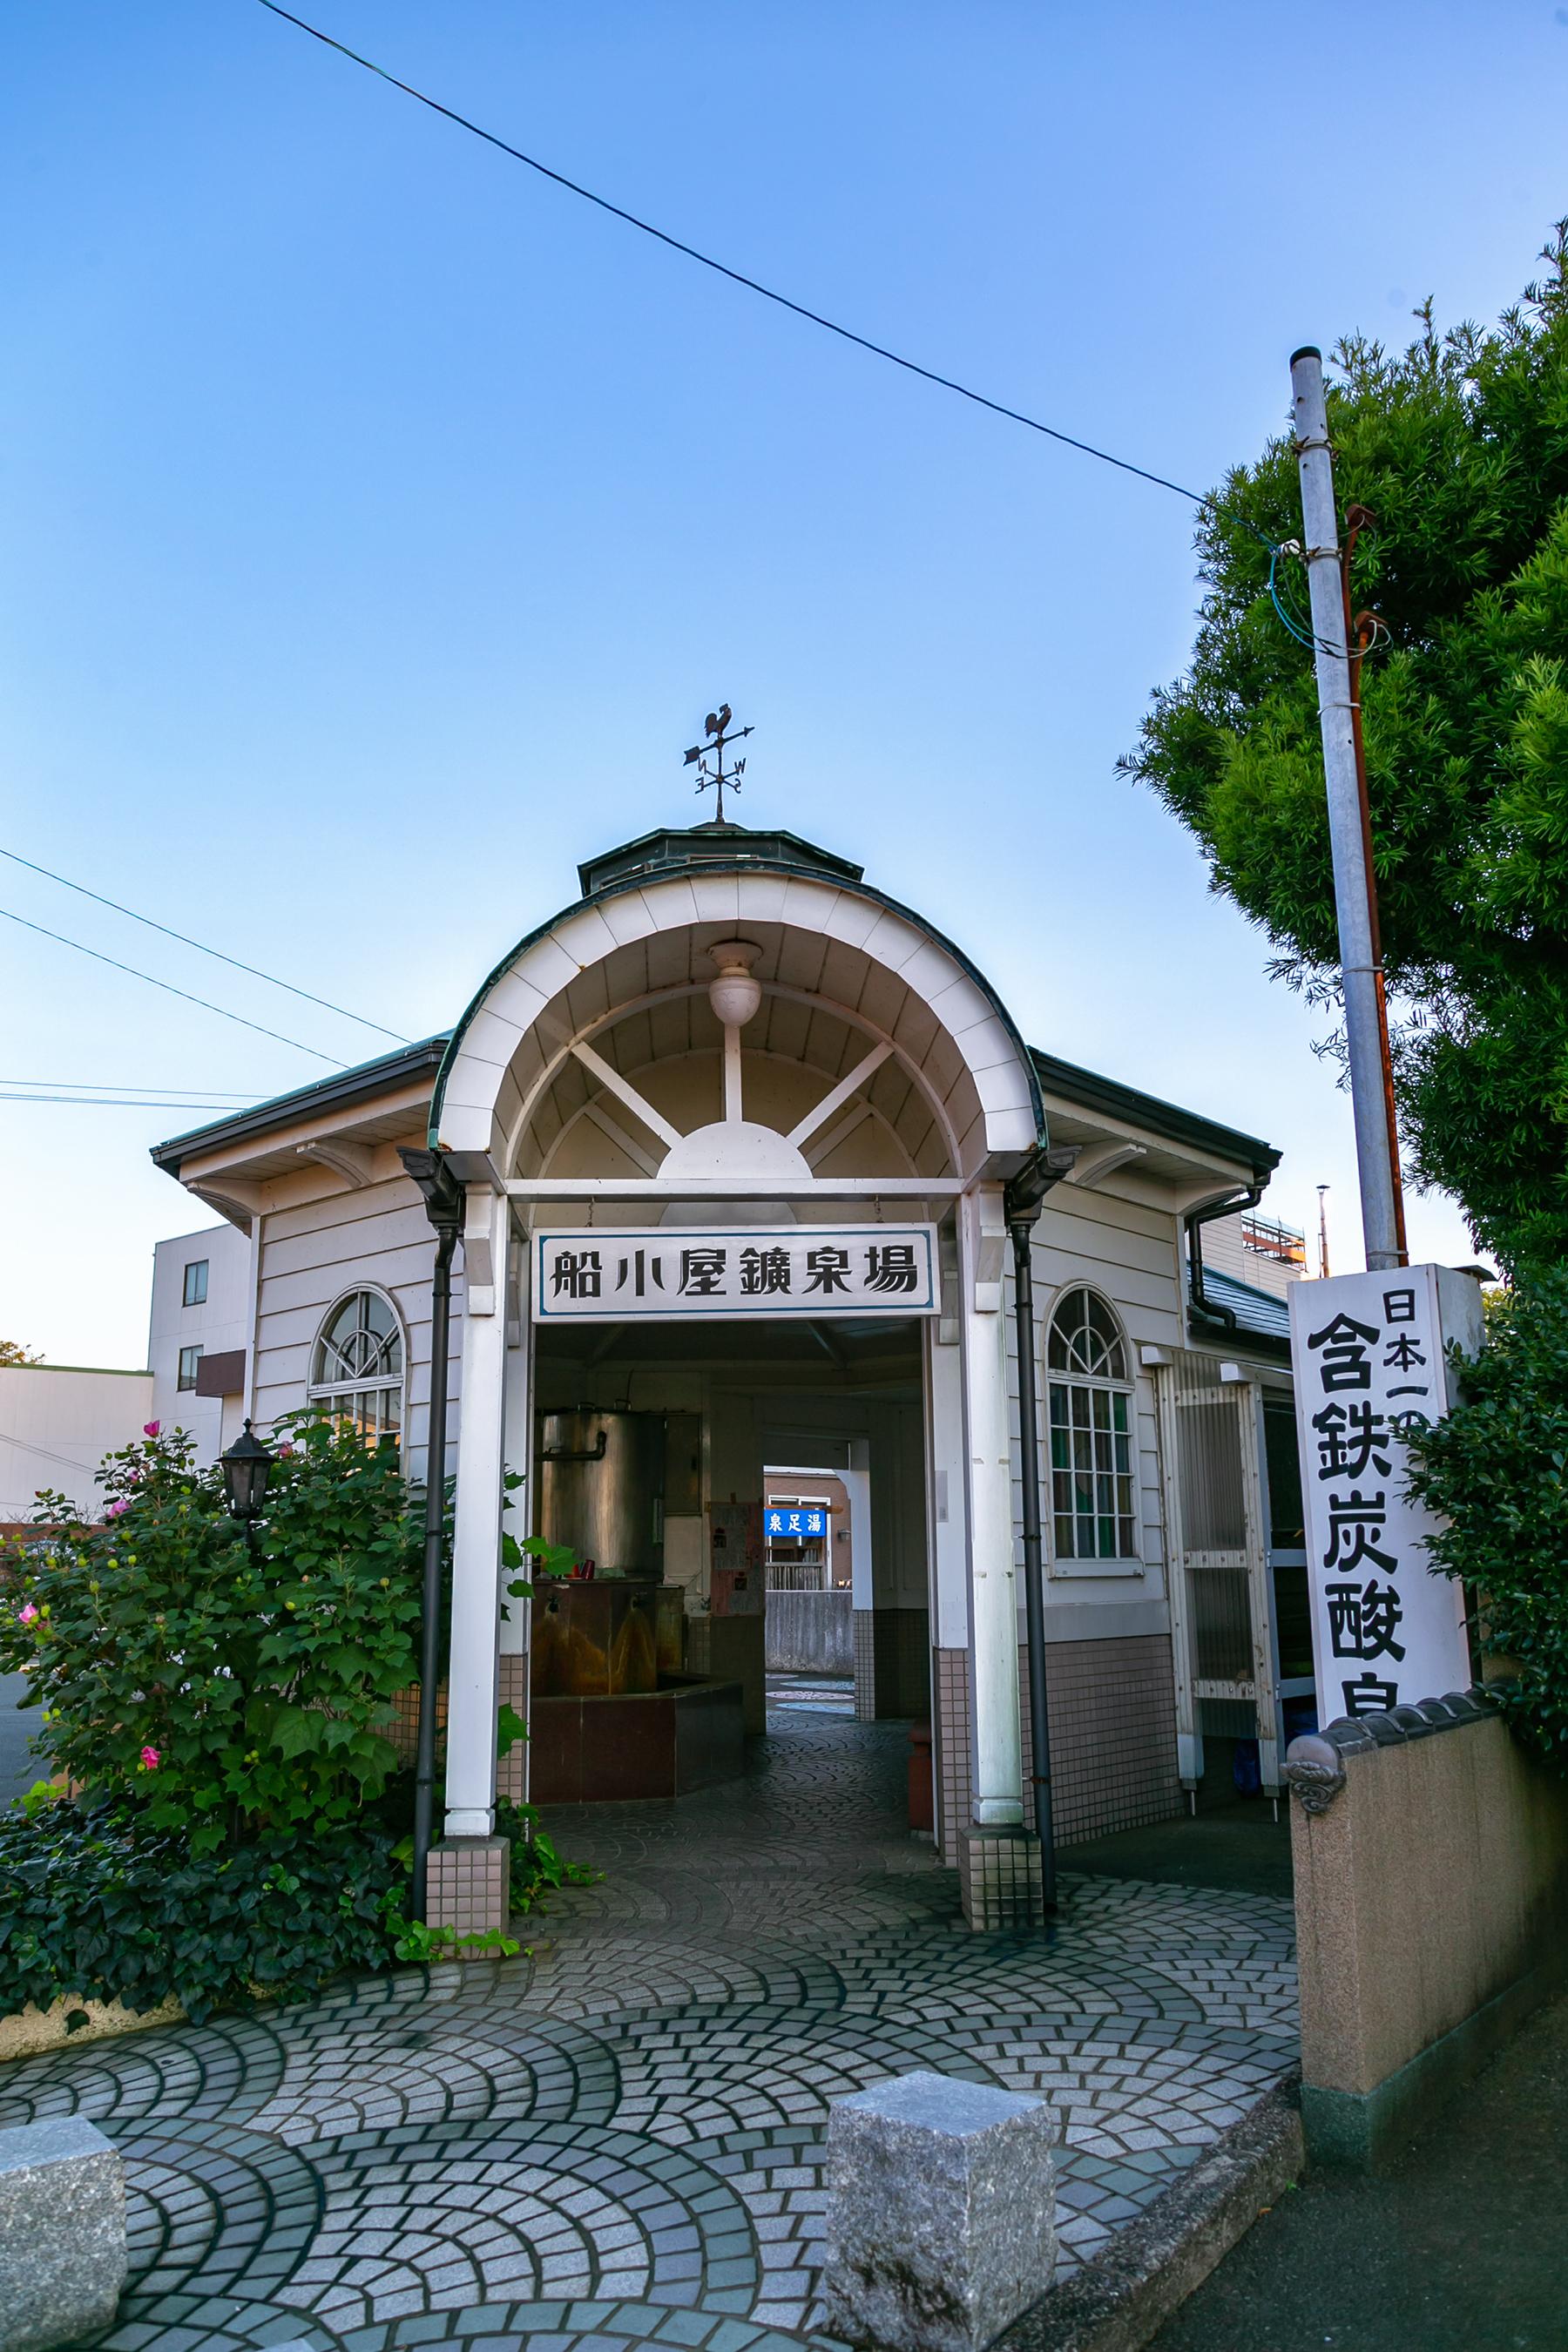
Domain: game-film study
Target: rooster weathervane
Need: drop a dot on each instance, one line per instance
(717, 728)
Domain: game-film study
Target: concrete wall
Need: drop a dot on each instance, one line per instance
(1431, 1905)
(217, 1326)
(56, 1423)
(810, 1632)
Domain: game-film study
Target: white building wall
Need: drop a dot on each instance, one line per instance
(1126, 1250)
(56, 1423)
(216, 1327)
(316, 1250)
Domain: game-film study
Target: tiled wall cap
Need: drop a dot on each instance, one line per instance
(1354, 1735)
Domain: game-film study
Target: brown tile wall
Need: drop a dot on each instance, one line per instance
(892, 1664)
(404, 1729)
(512, 1771)
(1113, 1737)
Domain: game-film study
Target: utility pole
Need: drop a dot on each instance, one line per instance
(1349, 836)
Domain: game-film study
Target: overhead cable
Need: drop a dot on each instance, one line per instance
(116, 1086)
(118, 1102)
(170, 990)
(201, 949)
(769, 293)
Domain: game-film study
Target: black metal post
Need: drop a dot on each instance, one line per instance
(443, 1200)
(1021, 1202)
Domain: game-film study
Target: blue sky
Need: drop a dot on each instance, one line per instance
(380, 522)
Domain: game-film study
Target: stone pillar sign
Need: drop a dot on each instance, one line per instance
(1368, 1352)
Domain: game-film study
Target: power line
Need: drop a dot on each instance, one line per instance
(118, 1102)
(272, 982)
(88, 1087)
(769, 293)
(170, 990)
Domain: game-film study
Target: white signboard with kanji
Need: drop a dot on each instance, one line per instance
(1367, 1350)
(617, 1274)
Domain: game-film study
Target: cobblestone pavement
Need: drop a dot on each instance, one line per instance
(619, 2138)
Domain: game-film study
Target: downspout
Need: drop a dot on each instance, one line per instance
(444, 1203)
(1230, 1207)
(1022, 1202)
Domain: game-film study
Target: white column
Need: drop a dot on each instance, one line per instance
(999, 1787)
(471, 1703)
(857, 1486)
(517, 1427)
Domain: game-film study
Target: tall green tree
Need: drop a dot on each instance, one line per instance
(1459, 444)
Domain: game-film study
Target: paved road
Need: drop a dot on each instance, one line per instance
(1463, 2248)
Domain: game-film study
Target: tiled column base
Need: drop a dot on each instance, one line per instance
(865, 1628)
(512, 1771)
(469, 1887)
(999, 1878)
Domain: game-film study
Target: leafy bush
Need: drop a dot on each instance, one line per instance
(218, 1707)
(100, 1907)
(1497, 1470)
(227, 1691)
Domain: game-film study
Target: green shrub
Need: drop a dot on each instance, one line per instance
(219, 1708)
(99, 1907)
(227, 1691)
(1497, 1470)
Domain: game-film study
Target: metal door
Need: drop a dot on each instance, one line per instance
(1222, 1608)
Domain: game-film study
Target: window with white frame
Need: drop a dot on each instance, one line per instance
(1092, 1483)
(356, 1369)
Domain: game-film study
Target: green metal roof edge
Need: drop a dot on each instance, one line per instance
(325, 1094)
(738, 865)
(1092, 1092)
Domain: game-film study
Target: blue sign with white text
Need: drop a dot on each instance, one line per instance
(795, 1525)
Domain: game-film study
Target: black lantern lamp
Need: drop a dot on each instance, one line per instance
(244, 1471)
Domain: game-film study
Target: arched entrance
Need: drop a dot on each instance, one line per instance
(733, 1083)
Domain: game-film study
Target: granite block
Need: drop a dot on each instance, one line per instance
(62, 2233)
(941, 2213)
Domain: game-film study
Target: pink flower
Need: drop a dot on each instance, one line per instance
(286, 1447)
(150, 1759)
(25, 1614)
(152, 1429)
(113, 1509)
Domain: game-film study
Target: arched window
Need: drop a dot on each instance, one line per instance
(356, 1371)
(1091, 1432)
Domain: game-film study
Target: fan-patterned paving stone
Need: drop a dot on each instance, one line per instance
(686, 2075)
(620, 2135)
(779, 2176)
(212, 2209)
(558, 2325)
(424, 2219)
(457, 2062)
(226, 2068)
(595, 1976)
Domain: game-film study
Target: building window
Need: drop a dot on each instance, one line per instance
(356, 1372)
(189, 1358)
(1091, 1432)
(196, 1292)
